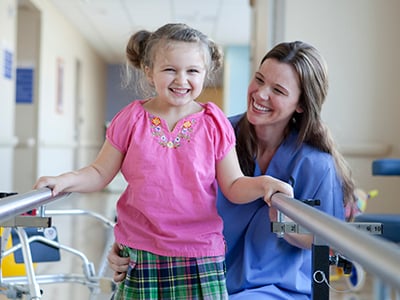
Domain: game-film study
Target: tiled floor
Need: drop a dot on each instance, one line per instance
(91, 236)
(372, 289)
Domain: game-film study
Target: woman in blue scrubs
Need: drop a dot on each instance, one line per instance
(281, 135)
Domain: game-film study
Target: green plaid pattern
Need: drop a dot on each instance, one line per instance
(152, 276)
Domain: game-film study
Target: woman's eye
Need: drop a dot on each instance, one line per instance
(259, 80)
(278, 91)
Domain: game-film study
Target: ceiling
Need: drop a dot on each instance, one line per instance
(108, 24)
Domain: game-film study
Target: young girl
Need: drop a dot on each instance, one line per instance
(172, 152)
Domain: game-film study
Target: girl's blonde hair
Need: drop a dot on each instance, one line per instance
(143, 46)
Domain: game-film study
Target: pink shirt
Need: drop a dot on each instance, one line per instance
(169, 205)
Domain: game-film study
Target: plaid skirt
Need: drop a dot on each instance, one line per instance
(152, 276)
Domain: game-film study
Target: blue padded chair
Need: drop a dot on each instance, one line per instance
(390, 222)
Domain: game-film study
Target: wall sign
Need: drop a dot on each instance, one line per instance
(7, 63)
(24, 85)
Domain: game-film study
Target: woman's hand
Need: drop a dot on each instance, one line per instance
(118, 263)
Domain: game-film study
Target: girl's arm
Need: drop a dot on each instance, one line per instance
(88, 179)
(244, 189)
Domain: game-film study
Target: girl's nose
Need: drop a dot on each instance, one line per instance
(180, 78)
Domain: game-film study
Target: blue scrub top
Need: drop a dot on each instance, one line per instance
(259, 264)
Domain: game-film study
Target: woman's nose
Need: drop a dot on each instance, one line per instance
(264, 92)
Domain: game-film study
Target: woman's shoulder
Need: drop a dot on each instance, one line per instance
(308, 155)
(303, 148)
(235, 119)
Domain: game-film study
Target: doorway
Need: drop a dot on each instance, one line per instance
(26, 110)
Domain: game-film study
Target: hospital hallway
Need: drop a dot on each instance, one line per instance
(91, 237)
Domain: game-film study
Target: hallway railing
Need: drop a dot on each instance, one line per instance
(378, 256)
(21, 203)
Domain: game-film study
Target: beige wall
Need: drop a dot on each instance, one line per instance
(359, 40)
(213, 94)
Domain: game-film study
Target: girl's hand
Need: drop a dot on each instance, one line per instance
(273, 186)
(55, 183)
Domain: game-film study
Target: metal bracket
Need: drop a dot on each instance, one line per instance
(287, 227)
(28, 221)
(281, 228)
(372, 228)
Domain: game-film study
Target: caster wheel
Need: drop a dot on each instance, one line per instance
(356, 279)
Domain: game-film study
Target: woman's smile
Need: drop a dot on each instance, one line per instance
(259, 107)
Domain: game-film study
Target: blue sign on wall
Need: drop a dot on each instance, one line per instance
(24, 85)
(8, 61)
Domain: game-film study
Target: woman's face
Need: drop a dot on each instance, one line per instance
(273, 95)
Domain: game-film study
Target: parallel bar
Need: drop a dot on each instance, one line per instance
(376, 255)
(18, 204)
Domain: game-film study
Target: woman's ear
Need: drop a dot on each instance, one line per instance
(299, 109)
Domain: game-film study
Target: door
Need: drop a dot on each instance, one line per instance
(27, 63)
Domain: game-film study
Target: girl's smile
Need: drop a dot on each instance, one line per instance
(178, 73)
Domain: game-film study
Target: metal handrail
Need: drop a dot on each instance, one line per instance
(376, 255)
(21, 203)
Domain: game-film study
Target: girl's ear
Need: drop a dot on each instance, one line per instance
(149, 75)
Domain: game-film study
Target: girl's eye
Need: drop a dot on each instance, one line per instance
(169, 70)
(193, 71)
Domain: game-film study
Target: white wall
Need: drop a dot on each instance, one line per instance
(61, 47)
(360, 42)
(8, 27)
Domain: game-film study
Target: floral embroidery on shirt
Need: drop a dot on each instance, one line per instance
(183, 134)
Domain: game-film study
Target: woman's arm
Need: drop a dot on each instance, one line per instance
(244, 189)
(303, 241)
(88, 179)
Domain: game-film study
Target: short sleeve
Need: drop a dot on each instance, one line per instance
(119, 131)
(223, 133)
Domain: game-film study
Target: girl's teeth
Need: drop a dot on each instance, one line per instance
(180, 91)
